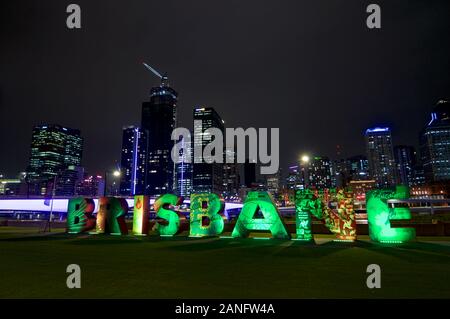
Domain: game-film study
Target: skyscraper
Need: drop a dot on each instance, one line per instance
(158, 118)
(319, 172)
(231, 178)
(207, 177)
(435, 144)
(405, 159)
(249, 173)
(380, 154)
(133, 161)
(183, 170)
(53, 149)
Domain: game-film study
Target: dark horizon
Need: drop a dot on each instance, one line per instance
(312, 69)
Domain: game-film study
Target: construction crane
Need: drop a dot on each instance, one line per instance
(164, 78)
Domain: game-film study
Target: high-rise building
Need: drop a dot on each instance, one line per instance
(435, 144)
(53, 149)
(380, 154)
(91, 185)
(358, 168)
(405, 159)
(68, 180)
(249, 173)
(340, 174)
(319, 172)
(273, 183)
(231, 178)
(133, 161)
(418, 177)
(183, 170)
(159, 119)
(207, 177)
(294, 179)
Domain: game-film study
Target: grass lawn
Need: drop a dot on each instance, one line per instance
(34, 265)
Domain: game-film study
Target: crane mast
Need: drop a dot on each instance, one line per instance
(164, 78)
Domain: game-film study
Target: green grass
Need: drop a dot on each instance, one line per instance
(34, 266)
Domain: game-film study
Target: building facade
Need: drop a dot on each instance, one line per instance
(91, 186)
(133, 161)
(231, 176)
(159, 119)
(67, 182)
(435, 144)
(53, 149)
(405, 159)
(207, 177)
(319, 172)
(294, 180)
(357, 168)
(380, 154)
(183, 170)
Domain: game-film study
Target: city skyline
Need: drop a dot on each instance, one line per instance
(282, 170)
(319, 98)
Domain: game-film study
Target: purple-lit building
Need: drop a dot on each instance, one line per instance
(133, 161)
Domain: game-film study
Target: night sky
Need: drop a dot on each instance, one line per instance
(311, 68)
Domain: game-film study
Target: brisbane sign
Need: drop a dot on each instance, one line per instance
(259, 213)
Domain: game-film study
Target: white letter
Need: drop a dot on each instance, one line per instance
(74, 279)
(272, 159)
(240, 135)
(216, 146)
(179, 156)
(374, 279)
(373, 20)
(74, 19)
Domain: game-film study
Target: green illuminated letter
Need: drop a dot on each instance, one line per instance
(379, 215)
(270, 220)
(205, 218)
(79, 215)
(306, 203)
(169, 220)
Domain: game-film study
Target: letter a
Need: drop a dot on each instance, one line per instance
(74, 279)
(74, 19)
(374, 19)
(270, 221)
(374, 279)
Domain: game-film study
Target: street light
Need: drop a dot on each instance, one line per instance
(304, 159)
(116, 173)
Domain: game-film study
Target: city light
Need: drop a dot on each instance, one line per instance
(377, 129)
(305, 159)
(116, 173)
